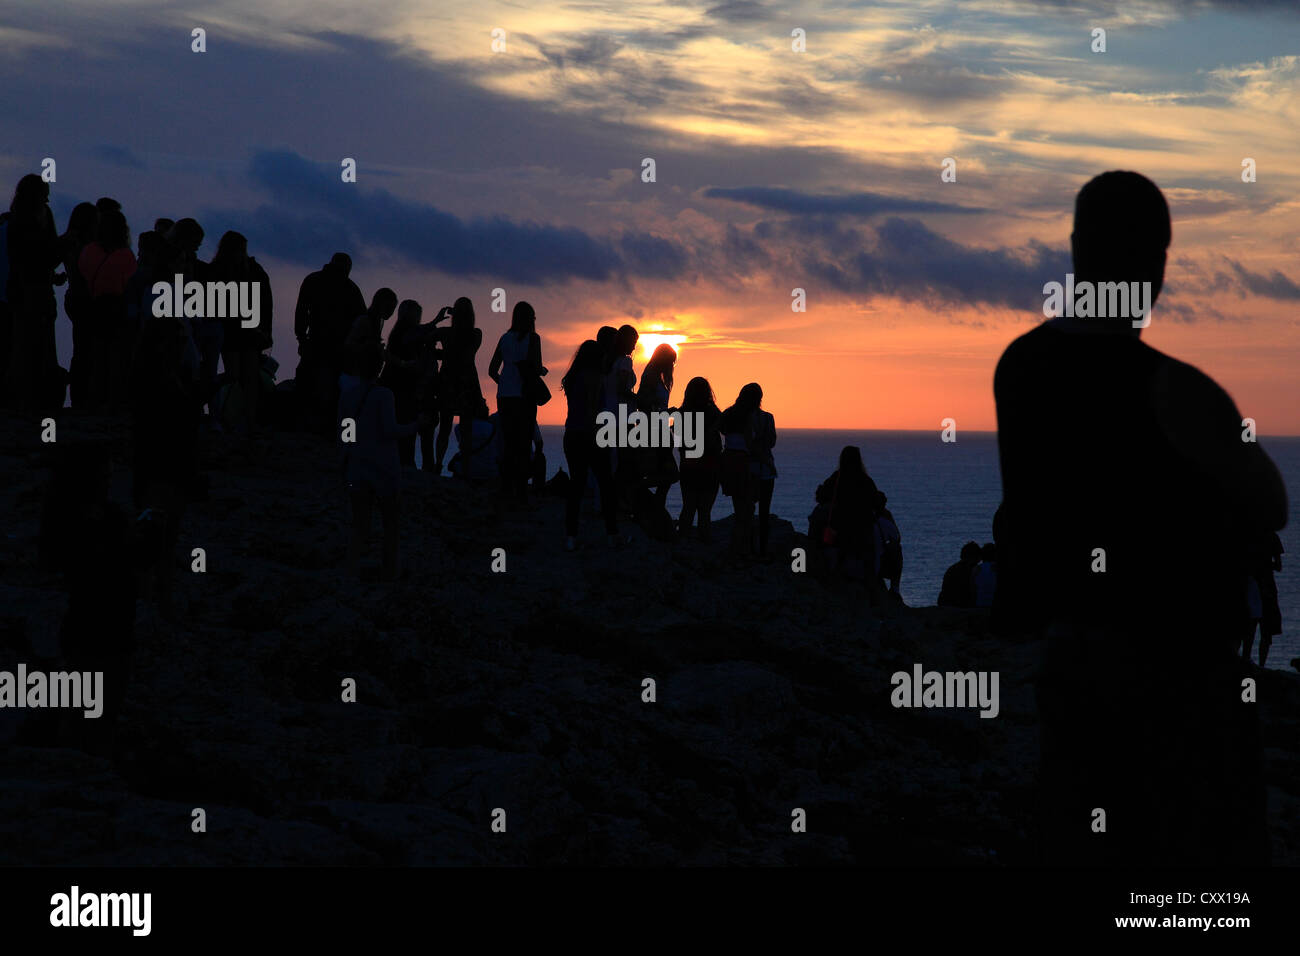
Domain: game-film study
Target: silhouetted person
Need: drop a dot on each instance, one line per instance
(957, 589)
(150, 267)
(888, 545)
(1110, 451)
(107, 265)
(404, 368)
(607, 339)
(582, 385)
(83, 226)
(486, 454)
(620, 390)
(653, 395)
(328, 303)
(372, 467)
(6, 316)
(849, 496)
(89, 540)
(165, 420)
(107, 204)
(185, 238)
(33, 255)
(1265, 558)
(984, 576)
(516, 366)
(699, 476)
(748, 468)
(364, 345)
(242, 348)
(459, 391)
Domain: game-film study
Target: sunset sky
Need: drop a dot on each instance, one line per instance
(775, 170)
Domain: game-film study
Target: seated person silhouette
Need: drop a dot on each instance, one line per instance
(1127, 495)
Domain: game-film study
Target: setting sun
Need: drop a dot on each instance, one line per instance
(649, 341)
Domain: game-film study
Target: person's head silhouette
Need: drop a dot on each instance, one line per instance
(112, 231)
(232, 252)
(462, 314)
(1121, 234)
(30, 195)
(83, 222)
(851, 461)
(626, 340)
(340, 263)
(523, 321)
(188, 235)
(698, 395)
(383, 304)
(408, 314)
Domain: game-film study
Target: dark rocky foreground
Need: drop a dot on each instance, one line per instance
(519, 690)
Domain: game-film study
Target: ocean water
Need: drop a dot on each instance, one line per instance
(943, 495)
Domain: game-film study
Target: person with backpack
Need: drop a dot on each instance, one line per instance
(848, 528)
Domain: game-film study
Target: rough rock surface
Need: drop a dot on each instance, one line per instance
(519, 690)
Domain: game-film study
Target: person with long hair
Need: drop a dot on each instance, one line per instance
(849, 495)
(699, 476)
(107, 265)
(241, 348)
(749, 468)
(619, 391)
(83, 225)
(517, 368)
(404, 368)
(653, 395)
(582, 385)
(33, 249)
(459, 391)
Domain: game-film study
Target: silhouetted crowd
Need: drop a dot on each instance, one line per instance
(382, 396)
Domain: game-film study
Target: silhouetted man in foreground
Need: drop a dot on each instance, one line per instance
(1128, 499)
(328, 303)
